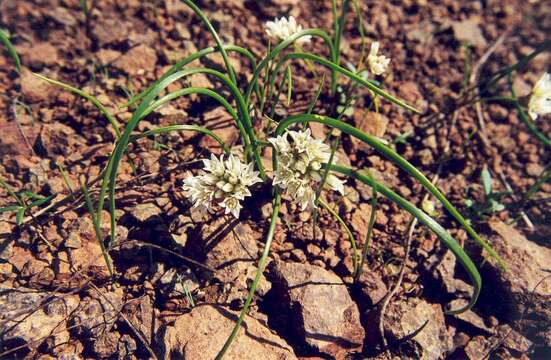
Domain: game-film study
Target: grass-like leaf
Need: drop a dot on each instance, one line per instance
(396, 159)
(450, 242)
(4, 38)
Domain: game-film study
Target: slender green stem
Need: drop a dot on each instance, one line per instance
(448, 240)
(337, 42)
(358, 79)
(348, 232)
(189, 59)
(102, 109)
(372, 215)
(217, 39)
(398, 160)
(280, 47)
(170, 128)
(97, 227)
(259, 272)
(203, 91)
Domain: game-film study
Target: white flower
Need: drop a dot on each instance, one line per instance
(377, 63)
(540, 101)
(300, 157)
(282, 29)
(223, 184)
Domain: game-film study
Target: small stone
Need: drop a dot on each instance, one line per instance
(371, 286)
(33, 89)
(138, 60)
(146, 212)
(370, 122)
(41, 54)
(468, 31)
(403, 318)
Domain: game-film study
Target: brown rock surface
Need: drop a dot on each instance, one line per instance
(326, 318)
(403, 318)
(201, 333)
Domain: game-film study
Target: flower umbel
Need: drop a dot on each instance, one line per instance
(300, 157)
(540, 101)
(377, 63)
(282, 29)
(223, 184)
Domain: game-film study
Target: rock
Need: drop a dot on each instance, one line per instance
(229, 249)
(33, 89)
(442, 271)
(370, 122)
(63, 16)
(89, 255)
(404, 317)
(223, 125)
(470, 318)
(29, 322)
(107, 56)
(54, 139)
(505, 343)
(322, 313)
(181, 226)
(201, 333)
(106, 345)
(141, 315)
(96, 316)
(40, 55)
(524, 286)
(146, 212)
(110, 31)
(372, 288)
(137, 60)
(468, 31)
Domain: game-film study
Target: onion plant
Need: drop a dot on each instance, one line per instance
(299, 161)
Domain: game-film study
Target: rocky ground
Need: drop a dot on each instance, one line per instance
(183, 277)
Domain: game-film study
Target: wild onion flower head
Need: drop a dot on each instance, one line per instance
(378, 64)
(282, 29)
(540, 101)
(300, 157)
(223, 184)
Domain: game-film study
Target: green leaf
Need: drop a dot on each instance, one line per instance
(486, 181)
(4, 38)
(9, 208)
(19, 216)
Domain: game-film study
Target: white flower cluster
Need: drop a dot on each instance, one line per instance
(378, 64)
(282, 29)
(540, 101)
(299, 166)
(223, 184)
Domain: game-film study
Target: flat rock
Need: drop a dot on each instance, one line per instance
(370, 122)
(33, 89)
(145, 212)
(229, 249)
(403, 318)
(97, 314)
(138, 60)
(201, 333)
(371, 286)
(40, 55)
(323, 313)
(30, 323)
(525, 284)
(468, 31)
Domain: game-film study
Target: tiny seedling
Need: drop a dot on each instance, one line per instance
(491, 202)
